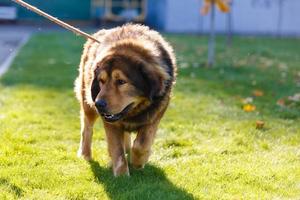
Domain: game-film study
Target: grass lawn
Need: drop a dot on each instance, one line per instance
(207, 146)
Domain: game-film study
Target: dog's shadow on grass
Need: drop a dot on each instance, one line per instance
(149, 183)
(15, 190)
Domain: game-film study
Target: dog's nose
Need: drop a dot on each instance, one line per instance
(101, 104)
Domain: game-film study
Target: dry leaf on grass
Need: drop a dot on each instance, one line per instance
(260, 124)
(289, 101)
(281, 102)
(258, 93)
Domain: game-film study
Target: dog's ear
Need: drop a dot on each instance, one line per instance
(95, 89)
(155, 77)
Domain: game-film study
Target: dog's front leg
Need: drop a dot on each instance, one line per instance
(88, 118)
(116, 150)
(127, 142)
(141, 148)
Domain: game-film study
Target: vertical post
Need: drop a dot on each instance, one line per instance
(229, 26)
(109, 7)
(211, 44)
(144, 4)
(126, 4)
(280, 15)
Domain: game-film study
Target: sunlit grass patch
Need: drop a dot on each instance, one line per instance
(207, 146)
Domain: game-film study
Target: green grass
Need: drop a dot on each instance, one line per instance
(207, 147)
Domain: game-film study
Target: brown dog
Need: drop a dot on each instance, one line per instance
(127, 80)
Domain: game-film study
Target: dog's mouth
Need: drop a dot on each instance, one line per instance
(118, 116)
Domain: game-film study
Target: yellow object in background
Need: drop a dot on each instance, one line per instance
(249, 108)
(222, 5)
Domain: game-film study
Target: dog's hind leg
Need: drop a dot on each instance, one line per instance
(88, 118)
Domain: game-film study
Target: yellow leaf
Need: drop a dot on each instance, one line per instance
(249, 108)
(223, 7)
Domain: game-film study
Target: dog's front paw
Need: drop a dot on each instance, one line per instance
(121, 168)
(138, 166)
(85, 155)
(139, 158)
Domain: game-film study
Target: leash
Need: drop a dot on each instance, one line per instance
(55, 20)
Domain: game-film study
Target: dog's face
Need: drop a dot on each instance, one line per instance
(123, 87)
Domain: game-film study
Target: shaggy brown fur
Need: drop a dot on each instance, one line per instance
(127, 80)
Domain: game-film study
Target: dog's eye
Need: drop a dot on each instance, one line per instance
(120, 82)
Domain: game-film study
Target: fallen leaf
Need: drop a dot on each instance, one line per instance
(281, 102)
(266, 62)
(283, 66)
(260, 124)
(249, 108)
(247, 100)
(295, 97)
(258, 93)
